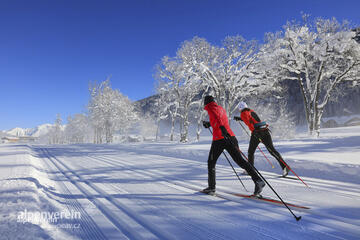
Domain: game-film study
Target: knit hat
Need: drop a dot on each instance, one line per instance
(208, 99)
(242, 105)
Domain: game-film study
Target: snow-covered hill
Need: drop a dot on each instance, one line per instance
(41, 130)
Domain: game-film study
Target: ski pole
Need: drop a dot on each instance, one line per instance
(232, 167)
(258, 146)
(297, 218)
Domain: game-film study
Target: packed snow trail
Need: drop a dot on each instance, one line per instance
(148, 191)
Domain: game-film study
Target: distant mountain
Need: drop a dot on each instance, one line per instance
(147, 105)
(19, 132)
(32, 132)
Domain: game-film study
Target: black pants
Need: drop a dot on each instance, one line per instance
(266, 139)
(231, 146)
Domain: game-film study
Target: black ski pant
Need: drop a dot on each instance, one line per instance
(265, 137)
(232, 147)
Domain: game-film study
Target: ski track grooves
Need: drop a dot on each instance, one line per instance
(339, 224)
(122, 225)
(200, 231)
(92, 231)
(320, 185)
(173, 182)
(179, 183)
(315, 183)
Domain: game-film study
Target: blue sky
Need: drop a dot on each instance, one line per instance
(51, 49)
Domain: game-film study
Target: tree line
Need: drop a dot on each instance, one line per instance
(319, 55)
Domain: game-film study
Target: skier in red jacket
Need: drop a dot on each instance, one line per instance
(224, 138)
(259, 132)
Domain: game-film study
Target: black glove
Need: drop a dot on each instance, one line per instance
(224, 132)
(206, 124)
(236, 118)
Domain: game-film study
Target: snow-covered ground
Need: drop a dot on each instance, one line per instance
(149, 191)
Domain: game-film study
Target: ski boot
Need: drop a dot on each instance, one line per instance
(259, 185)
(209, 190)
(285, 171)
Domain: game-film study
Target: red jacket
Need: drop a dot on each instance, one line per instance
(249, 117)
(218, 117)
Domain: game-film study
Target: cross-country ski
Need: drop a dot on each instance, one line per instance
(253, 197)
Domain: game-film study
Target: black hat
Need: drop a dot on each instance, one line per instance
(208, 99)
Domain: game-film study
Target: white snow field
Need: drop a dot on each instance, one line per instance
(150, 191)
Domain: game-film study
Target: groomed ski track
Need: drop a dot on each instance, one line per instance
(123, 194)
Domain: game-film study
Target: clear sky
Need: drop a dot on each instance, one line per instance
(51, 49)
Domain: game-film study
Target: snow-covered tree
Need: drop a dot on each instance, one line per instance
(109, 112)
(188, 93)
(181, 89)
(194, 88)
(170, 79)
(199, 68)
(318, 56)
(235, 78)
(56, 133)
(78, 129)
(160, 106)
(228, 72)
